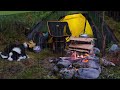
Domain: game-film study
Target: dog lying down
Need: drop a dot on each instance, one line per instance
(15, 52)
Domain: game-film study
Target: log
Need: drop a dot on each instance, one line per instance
(82, 46)
(82, 39)
(79, 50)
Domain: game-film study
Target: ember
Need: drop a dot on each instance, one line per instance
(85, 61)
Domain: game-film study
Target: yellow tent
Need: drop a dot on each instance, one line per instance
(76, 24)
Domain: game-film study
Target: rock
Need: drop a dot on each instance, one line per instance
(94, 58)
(55, 60)
(55, 69)
(37, 49)
(67, 73)
(93, 64)
(87, 73)
(78, 69)
(76, 65)
(96, 50)
(114, 47)
(63, 64)
(83, 64)
(89, 64)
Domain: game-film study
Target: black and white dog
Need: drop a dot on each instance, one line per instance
(14, 52)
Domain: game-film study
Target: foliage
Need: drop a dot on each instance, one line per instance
(114, 25)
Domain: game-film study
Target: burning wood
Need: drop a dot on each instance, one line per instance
(78, 50)
(85, 61)
(74, 55)
(82, 46)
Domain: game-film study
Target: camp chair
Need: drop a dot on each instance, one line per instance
(57, 30)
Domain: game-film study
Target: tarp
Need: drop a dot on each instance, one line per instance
(76, 23)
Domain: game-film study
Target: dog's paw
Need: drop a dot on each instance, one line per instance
(18, 60)
(10, 59)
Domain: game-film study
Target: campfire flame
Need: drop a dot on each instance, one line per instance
(81, 56)
(86, 54)
(76, 69)
(75, 56)
(85, 61)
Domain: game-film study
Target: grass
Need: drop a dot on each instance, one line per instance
(110, 73)
(29, 68)
(12, 12)
(29, 18)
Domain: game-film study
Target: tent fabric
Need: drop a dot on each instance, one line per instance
(76, 23)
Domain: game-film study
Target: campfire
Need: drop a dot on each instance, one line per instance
(80, 62)
(77, 66)
(76, 56)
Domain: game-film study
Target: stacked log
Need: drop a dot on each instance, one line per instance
(81, 44)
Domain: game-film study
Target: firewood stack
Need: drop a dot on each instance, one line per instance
(80, 44)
